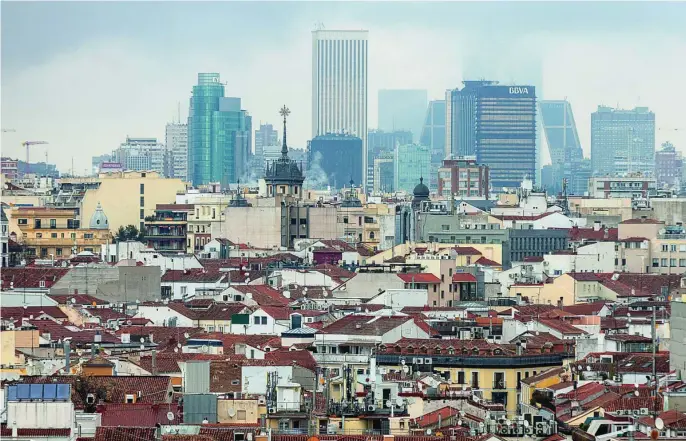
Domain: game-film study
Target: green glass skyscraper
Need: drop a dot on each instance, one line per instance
(218, 134)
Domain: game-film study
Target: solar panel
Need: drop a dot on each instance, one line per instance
(23, 391)
(12, 393)
(50, 392)
(36, 391)
(64, 392)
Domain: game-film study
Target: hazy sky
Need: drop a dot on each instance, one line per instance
(84, 75)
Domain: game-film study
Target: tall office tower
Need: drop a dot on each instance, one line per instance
(96, 161)
(379, 143)
(497, 124)
(265, 136)
(564, 146)
(411, 162)
(219, 137)
(669, 166)
(339, 85)
(402, 109)
(622, 141)
(433, 136)
(141, 154)
(176, 141)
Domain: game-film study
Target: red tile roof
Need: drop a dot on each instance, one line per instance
(522, 218)
(43, 433)
(218, 311)
(364, 325)
(584, 392)
(338, 245)
(642, 221)
(263, 295)
(632, 403)
(466, 251)
(80, 299)
(432, 418)
(464, 277)
(166, 338)
(187, 438)
(152, 389)
(125, 434)
(334, 271)
(483, 261)
(302, 358)
(259, 341)
(138, 414)
(168, 362)
(419, 278)
(562, 327)
(195, 275)
(577, 234)
(18, 312)
(586, 308)
(628, 338)
(533, 258)
(277, 312)
(106, 314)
(31, 277)
(78, 336)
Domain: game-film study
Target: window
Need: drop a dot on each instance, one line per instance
(371, 235)
(460, 377)
(41, 283)
(345, 219)
(235, 383)
(672, 262)
(58, 251)
(663, 262)
(142, 214)
(87, 235)
(402, 424)
(214, 213)
(22, 221)
(184, 290)
(656, 263)
(682, 262)
(665, 248)
(37, 223)
(672, 248)
(445, 227)
(475, 380)
(142, 201)
(499, 380)
(53, 223)
(264, 320)
(53, 235)
(256, 320)
(39, 235)
(142, 188)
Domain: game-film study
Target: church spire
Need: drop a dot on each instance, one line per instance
(284, 148)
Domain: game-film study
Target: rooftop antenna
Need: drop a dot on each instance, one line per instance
(178, 111)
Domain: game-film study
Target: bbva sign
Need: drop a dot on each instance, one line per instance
(519, 90)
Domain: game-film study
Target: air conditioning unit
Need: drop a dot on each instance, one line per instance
(428, 361)
(271, 410)
(637, 411)
(331, 429)
(617, 379)
(620, 412)
(644, 411)
(262, 401)
(371, 408)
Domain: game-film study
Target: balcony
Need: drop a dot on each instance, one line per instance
(512, 361)
(342, 358)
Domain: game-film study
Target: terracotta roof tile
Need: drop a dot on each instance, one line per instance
(18, 312)
(364, 325)
(31, 277)
(124, 433)
(263, 295)
(483, 261)
(464, 277)
(80, 299)
(138, 414)
(419, 278)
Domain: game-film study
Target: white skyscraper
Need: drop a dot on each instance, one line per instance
(339, 85)
(177, 150)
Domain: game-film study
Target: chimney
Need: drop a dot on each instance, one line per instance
(596, 225)
(67, 355)
(76, 291)
(15, 431)
(154, 362)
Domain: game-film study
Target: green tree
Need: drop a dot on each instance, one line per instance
(130, 232)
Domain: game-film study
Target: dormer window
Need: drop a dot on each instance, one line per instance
(41, 283)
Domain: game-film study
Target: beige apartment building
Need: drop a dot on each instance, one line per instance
(126, 197)
(648, 245)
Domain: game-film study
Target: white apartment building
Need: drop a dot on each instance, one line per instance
(176, 140)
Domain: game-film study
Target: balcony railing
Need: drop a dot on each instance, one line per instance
(341, 358)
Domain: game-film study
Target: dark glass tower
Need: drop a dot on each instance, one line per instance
(566, 155)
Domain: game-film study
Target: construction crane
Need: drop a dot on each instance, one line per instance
(28, 145)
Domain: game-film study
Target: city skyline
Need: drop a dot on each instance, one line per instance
(75, 92)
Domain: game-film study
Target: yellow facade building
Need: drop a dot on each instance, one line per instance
(54, 233)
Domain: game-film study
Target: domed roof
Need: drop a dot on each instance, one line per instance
(99, 220)
(421, 190)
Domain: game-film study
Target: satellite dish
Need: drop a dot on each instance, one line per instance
(287, 294)
(402, 361)
(659, 424)
(176, 349)
(129, 322)
(507, 422)
(142, 340)
(305, 289)
(138, 301)
(142, 347)
(170, 416)
(204, 349)
(459, 422)
(178, 345)
(406, 368)
(325, 293)
(588, 368)
(399, 402)
(186, 334)
(388, 403)
(72, 300)
(637, 393)
(526, 423)
(232, 412)
(428, 431)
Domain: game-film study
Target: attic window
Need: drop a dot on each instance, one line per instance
(437, 350)
(475, 351)
(41, 283)
(398, 349)
(234, 382)
(130, 399)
